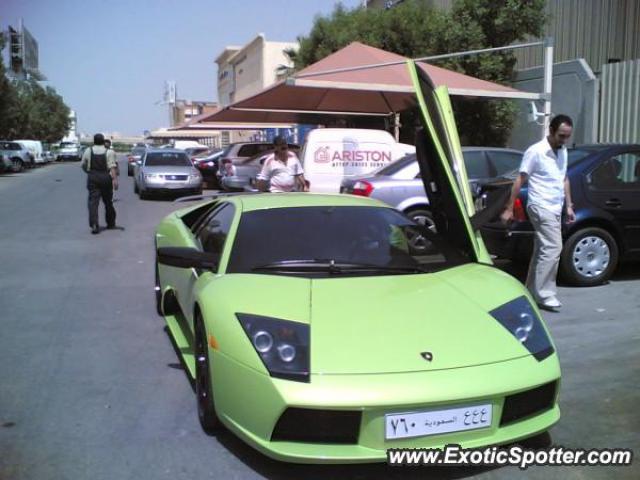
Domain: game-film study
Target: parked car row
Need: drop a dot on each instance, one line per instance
(605, 181)
(328, 155)
(18, 155)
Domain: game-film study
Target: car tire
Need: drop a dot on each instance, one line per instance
(207, 415)
(142, 194)
(418, 244)
(135, 187)
(18, 165)
(589, 257)
(158, 292)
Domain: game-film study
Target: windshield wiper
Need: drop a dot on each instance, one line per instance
(333, 266)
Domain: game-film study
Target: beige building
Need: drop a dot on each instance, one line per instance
(184, 110)
(244, 71)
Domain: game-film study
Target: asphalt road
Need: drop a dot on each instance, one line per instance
(91, 387)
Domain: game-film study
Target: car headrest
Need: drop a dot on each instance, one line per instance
(616, 166)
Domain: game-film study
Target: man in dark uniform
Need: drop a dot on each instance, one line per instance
(100, 165)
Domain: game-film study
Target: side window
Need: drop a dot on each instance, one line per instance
(214, 230)
(476, 164)
(194, 219)
(247, 151)
(621, 171)
(503, 162)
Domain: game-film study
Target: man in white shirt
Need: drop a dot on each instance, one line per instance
(281, 171)
(544, 167)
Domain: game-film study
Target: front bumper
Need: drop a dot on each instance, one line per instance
(177, 186)
(67, 156)
(253, 416)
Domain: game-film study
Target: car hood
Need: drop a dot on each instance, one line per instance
(171, 170)
(383, 324)
(367, 325)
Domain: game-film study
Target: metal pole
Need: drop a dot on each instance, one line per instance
(396, 127)
(548, 82)
(482, 50)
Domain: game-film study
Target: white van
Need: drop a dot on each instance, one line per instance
(331, 154)
(184, 144)
(35, 149)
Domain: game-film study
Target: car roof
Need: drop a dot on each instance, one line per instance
(484, 149)
(291, 200)
(603, 146)
(165, 150)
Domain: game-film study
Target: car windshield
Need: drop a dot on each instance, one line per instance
(395, 167)
(326, 241)
(168, 159)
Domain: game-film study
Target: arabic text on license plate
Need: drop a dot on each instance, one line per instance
(433, 422)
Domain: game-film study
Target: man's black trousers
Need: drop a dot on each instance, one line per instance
(100, 185)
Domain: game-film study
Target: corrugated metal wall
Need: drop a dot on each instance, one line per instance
(596, 30)
(620, 102)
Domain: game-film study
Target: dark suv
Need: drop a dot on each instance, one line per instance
(605, 189)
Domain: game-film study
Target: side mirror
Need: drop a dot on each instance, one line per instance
(186, 257)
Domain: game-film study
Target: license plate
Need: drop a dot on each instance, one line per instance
(435, 422)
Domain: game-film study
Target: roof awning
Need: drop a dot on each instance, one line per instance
(218, 127)
(358, 80)
(191, 133)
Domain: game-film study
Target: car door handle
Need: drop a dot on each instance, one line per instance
(613, 202)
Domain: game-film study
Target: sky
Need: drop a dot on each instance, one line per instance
(109, 59)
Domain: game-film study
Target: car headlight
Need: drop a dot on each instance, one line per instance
(194, 176)
(283, 346)
(519, 318)
(151, 176)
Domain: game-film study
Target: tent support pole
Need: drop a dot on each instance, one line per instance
(548, 82)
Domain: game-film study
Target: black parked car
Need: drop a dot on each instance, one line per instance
(207, 164)
(605, 189)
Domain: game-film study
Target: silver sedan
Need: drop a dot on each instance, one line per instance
(166, 171)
